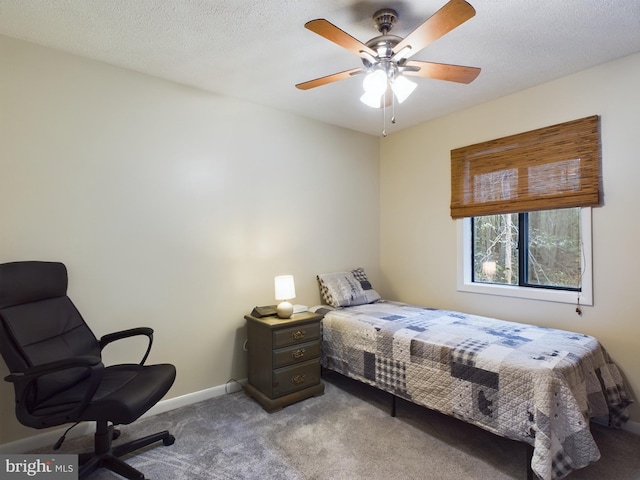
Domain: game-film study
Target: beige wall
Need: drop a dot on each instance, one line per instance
(418, 239)
(172, 207)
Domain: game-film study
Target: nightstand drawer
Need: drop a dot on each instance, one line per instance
(296, 377)
(296, 354)
(297, 334)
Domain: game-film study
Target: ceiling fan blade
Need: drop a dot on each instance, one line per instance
(329, 78)
(452, 15)
(442, 71)
(329, 31)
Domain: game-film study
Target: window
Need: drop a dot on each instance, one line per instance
(523, 205)
(544, 255)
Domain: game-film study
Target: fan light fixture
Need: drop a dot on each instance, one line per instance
(386, 58)
(377, 83)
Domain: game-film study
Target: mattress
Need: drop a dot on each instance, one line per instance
(524, 382)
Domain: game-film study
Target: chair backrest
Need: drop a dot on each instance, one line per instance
(40, 324)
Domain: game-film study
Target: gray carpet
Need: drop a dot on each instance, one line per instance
(345, 434)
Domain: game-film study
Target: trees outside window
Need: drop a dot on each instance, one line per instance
(541, 249)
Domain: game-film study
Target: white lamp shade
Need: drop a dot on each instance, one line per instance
(402, 88)
(374, 84)
(373, 100)
(285, 288)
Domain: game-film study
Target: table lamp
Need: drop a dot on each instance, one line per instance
(285, 291)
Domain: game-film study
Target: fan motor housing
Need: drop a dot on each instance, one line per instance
(384, 19)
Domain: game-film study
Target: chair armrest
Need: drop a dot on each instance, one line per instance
(26, 381)
(132, 332)
(87, 361)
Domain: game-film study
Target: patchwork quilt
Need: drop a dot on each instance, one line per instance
(528, 383)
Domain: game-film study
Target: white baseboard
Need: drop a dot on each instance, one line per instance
(232, 386)
(50, 437)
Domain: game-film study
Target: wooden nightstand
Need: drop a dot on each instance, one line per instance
(284, 359)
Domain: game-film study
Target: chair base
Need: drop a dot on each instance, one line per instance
(106, 456)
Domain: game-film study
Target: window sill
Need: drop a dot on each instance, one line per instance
(546, 295)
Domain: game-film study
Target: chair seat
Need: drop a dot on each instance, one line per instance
(124, 394)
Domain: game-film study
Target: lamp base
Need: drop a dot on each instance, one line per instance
(284, 310)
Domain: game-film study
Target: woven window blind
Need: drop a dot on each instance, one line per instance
(544, 169)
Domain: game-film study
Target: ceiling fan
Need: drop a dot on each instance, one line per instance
(385, 58)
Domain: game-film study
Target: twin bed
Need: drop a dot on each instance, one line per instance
(536, 385)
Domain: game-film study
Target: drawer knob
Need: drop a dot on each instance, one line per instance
(298, 335)
(298, 379)
(298, 353)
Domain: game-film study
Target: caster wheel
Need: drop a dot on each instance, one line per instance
(170, 440)
(116, 434)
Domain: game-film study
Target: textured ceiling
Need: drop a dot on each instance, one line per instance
(258, 50)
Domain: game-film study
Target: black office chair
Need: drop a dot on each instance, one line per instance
(56, 368)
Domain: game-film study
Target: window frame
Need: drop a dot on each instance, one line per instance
(465, 281)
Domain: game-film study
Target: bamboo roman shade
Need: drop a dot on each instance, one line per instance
(552, 167)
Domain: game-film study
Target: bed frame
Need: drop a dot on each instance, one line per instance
(529, 447)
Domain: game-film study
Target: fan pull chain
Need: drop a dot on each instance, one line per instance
(393, 109)
(384, 119)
